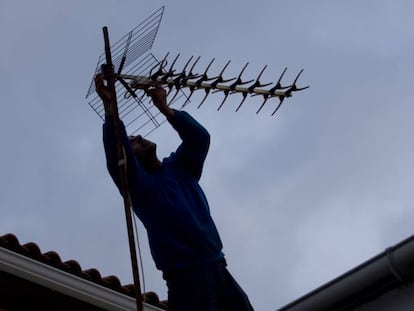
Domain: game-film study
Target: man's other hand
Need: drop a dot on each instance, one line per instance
(159, 98)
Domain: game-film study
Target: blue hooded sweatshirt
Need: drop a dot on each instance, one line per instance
(170, 202)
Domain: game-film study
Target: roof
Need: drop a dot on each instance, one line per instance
(17, 259)
(390, 270)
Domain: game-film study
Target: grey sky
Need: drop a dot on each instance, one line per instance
(299, 198)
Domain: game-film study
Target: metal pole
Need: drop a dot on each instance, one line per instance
(110, 78)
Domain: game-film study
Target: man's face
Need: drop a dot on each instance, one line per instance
(142, 147)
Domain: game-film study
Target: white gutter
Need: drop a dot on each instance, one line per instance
(66, 283)
(388, 270)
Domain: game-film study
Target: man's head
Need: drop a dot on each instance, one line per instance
(145, 151)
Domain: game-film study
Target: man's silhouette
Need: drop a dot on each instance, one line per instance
(167, 198)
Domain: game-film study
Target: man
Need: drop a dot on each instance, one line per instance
(167, 198)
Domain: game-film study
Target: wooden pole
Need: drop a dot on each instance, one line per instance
(110, 78)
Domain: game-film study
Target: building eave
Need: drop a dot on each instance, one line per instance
(381, 274)
(66, 283)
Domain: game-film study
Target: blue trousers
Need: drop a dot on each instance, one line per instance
(208, 287)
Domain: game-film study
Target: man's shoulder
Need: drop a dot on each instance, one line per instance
(170, 160)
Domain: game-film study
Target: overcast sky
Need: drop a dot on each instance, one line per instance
(299, 198)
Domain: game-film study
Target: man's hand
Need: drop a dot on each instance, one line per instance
(108, 97)
(159, 98)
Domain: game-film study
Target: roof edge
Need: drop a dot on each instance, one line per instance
(66, 283)
(384, 272)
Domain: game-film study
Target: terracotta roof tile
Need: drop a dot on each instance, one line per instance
(52, 258)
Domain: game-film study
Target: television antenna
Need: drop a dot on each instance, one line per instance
(136, 69)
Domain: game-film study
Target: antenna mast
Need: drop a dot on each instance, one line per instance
(108, 71)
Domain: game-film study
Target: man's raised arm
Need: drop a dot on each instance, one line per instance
(195, 138)
(109, 139)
